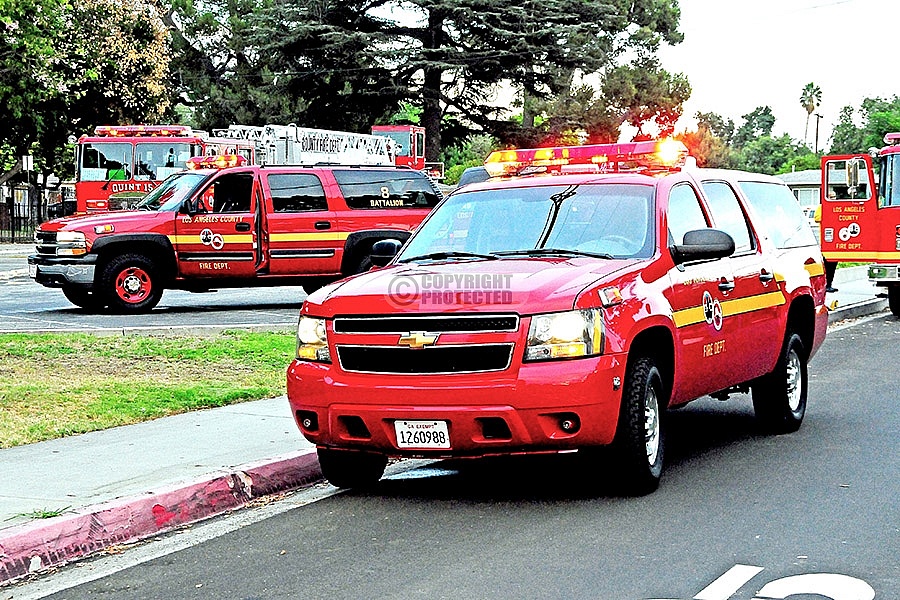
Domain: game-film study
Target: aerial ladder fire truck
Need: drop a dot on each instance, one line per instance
(860, 219)
(293, 145)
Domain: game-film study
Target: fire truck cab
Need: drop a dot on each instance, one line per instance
(860, 219)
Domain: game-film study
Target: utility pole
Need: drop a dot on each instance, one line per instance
(818, 118)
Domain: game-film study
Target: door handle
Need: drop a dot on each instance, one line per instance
(242, 227)
(726, 286)
(765, 276)
(323, 225)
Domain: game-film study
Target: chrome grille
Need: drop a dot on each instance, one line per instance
(430, 323)
(432, 360)
(45, 242)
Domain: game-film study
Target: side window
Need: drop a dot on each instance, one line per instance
(782, 218)
(371, 189)
(728, 215)
(684, 213)
(232, 193)
(297, 192)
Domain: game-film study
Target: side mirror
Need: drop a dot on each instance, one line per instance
(702, 244)
(185, 208)
(384, 251)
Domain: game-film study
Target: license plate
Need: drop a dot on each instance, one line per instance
(32, 271)
(422, 434)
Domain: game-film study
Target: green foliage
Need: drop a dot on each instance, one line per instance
(878, 116)
(470, 153)
(757, 124)
(646, 93)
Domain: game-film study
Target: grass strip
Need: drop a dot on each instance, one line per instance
(53, 385)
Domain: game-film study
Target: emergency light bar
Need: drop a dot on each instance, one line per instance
(219, 161)
(665, 154)
(143, 130)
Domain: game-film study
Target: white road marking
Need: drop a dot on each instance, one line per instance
(827, 585)
(729, 583)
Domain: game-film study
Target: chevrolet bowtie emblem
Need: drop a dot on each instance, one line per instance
(418, 339)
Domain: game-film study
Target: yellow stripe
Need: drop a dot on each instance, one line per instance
(861, 256)
(745, 305)
(694, 315)
(688, 316)
(242, 238)
(336, 236)
(815, 269)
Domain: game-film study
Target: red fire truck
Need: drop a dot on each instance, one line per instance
(861, 217)
(117, 165)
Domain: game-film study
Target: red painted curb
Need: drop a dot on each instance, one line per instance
(42, 544)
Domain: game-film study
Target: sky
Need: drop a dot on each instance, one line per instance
(741, 54)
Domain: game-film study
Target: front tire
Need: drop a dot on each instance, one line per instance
(351, 469)
(894, 299)
(83, 298)
(639, 444)
(130, 284)
(779, 398)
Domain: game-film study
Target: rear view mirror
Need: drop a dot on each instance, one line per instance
(702, 244)
(384, 251)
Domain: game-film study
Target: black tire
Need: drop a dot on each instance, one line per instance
(894, 299)
(83, 298)
(130, 284)
(350, 468)
(639, 445)
(779, 398)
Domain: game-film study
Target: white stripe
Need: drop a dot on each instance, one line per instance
(729, 583)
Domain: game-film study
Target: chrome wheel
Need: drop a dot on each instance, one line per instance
(651, 426)
(794, 381)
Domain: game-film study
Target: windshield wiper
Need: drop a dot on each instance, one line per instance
(553, 252)
(442, 255)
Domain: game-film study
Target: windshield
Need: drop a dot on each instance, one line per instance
(171, 192)
(611, 220)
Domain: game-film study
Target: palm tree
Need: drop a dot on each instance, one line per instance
(810, 99)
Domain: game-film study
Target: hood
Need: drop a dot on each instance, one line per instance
(520, 285)
(130, 220)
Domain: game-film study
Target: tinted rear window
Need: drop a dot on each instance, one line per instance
(367, 189)
(781, 215)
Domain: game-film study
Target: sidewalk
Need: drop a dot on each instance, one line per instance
(128, 483)
(133, 482)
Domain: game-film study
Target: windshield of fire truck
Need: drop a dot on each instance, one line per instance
(610, 220)
(172, 192)
(157, 160)
(889, 181)
(105, 161)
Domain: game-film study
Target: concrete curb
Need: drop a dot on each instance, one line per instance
(39, 545)
(857, 309)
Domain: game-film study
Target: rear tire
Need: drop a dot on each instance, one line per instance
(83, 298)
(350, 468)
(130, 284)
(779, 398)
(639, 444)
(894, 299)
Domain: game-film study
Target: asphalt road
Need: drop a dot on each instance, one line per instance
(26, 306)
(739, 515)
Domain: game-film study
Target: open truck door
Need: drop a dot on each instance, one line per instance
(861, 220)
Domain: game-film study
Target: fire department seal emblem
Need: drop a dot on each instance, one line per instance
(712, 311)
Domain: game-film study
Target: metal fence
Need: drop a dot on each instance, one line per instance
(20, 212)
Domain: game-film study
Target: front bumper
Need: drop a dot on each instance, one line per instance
(520, 410)
(882, 275)
(59, 272)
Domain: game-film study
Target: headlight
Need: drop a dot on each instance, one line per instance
(70, 243)
(312, 341)
(569, 334)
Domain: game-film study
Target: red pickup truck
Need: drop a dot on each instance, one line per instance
(564, 312)
(237, 226)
